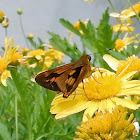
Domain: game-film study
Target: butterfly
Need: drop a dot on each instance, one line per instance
(66, 78)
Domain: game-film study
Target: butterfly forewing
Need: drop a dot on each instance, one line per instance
(47, 79)
(66, 78)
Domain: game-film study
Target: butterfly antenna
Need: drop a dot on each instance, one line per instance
(101, 52)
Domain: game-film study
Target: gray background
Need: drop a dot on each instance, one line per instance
(40, 16)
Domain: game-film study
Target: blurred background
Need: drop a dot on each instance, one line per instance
(41, 16)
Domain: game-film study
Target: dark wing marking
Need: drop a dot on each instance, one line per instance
(73, 78)
(69, 78)
(79, 75)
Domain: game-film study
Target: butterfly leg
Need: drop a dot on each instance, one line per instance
(94, 77)
(84, 89)
(95, 80)
(97, 70)
(74, 94)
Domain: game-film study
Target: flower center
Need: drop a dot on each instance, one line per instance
(119, 44)
(102, 86)
(3, 65)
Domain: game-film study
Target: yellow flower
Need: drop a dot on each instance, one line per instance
(77, 25)
(2, 16)
(128, 13)
(123, 27)
(90, 0)
(36, 54)
(121, 44)
(101, 91)
(132, 11)
(34, 57)
(4, 61)
(45, 56)
(24, 51)
(16, 58)
(30, 36)
(132, 63)
(51, 55)
(108, 126)
(5, 23)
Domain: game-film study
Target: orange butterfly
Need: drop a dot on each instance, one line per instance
(65, 78)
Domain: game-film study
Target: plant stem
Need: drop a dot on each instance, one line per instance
(21, 26)
(6, 32)
(16, 117)
(112, 6)
(133, 10)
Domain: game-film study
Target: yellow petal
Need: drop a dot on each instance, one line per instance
(99, 69)
(114, 14)
(103, 105)
(131, 91)
(69, 107)
(127, 76)
(130, 84)
(110, 105)
(33, 65)
(4, 76)
(111, 61)
(125, 103)
(59, 99)
(38, 57)
(93, 106)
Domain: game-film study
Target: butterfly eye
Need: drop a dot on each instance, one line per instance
(89, 57)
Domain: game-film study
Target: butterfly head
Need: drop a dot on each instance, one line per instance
(89, 57)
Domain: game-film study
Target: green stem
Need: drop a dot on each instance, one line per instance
(112, 6)
(133, 9)
(21, 26)
(132, 32)
(6, 34)
(16, 117)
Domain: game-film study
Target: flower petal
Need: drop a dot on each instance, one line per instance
(131, 91)
(131, 84)
(68, 107)
(59, 98)
(111, 61)
(125, 103)
(4, 76)
(103, 105)
(114, 14)
(128, 75)
(92, 107)
(110, 105)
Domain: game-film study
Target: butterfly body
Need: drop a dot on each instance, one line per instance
(65, 78)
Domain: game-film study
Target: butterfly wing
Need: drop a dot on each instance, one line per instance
(71, 79)
(66, 78)
(47, 79)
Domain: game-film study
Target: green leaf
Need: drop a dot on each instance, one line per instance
(137, 50)
(125, 53)
(69, 26)
(4, 133)
(64, 46)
